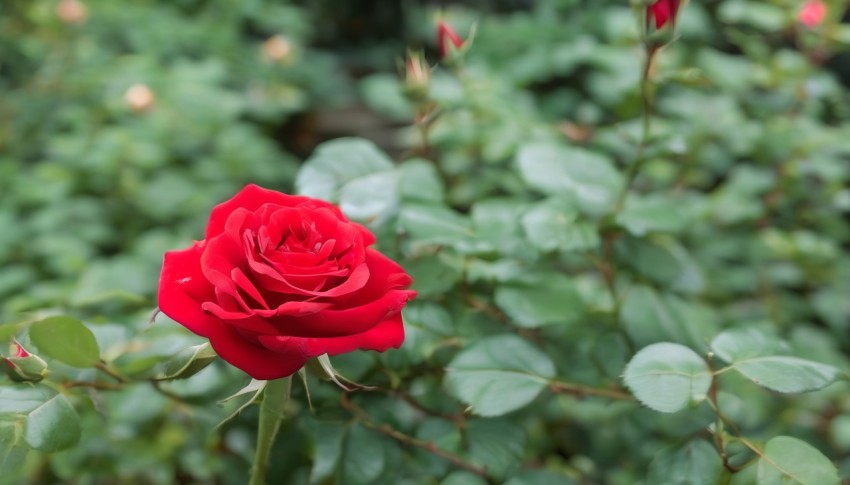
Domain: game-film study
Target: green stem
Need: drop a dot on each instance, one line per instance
(272, 412)
(646, 102)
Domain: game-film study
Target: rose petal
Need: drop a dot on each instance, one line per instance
(182, 289)
(294, 309)
(387, 275)
(337, 323)
(252, 197)
(388, 333)
(271, 279)
(256, 360)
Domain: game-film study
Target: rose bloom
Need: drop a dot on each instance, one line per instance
(280, 279)
(812, 13)
(663, 11)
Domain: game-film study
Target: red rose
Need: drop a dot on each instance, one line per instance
(280, 279)
(663, 11)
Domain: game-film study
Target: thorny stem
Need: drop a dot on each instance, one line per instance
(364, 419)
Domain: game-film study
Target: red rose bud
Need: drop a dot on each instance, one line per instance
(447, 39)
(417, 77)
(663, 11)
(812, 13)
(281, 279)
(24, 366)
(20, 351)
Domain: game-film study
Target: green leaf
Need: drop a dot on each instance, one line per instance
(694, 463)
(550, 228)
(187, 362)
(434, 224)
(23, 398)
(588, 177)
(648, 214)
(553, 300)
(12, 451)
(749, 350)
(649, 258)
(363, 459)
(650, 317)
(787, 374)
(743, 343)
(496, 444)
(50, 422)
(383, 92)
(668, 377)
(67, 340)
(460, 477)
(540, 477)
(500, 374)
(497, 221)
(419, 180)
(53, 425)
(327, 450)
(373, 197)
(792, 461)
(338, 162)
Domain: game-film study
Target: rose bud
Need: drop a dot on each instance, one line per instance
(417, 77)
(281, 279)
(812, 13)
(276, 49)
(663, 11)
(448, 40)
(139, 98)
(24, 366)
(72, 11)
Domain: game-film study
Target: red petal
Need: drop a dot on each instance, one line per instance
(183, 288)
(256, 360)
(381, 337)
(336, 323)
(251, 198)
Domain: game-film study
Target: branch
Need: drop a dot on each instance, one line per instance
(429, 446)
(583, 391)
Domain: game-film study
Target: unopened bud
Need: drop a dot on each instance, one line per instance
(139, 98)
(277, 49)
(72, 11)
(23, 366)
(448, 40)
(812, 13)
(417, 76)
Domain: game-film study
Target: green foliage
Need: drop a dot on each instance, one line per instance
(66, 340)
(603, 297)
(498, 375)
(668, 377)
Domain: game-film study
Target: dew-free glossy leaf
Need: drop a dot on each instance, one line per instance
(500, 374)
(53, 425)
(788, 460)
(668, 377)
(67, 340)
(756, 355)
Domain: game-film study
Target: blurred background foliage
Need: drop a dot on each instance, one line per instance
(124, 122)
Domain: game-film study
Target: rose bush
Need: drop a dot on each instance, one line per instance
(281, 279)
